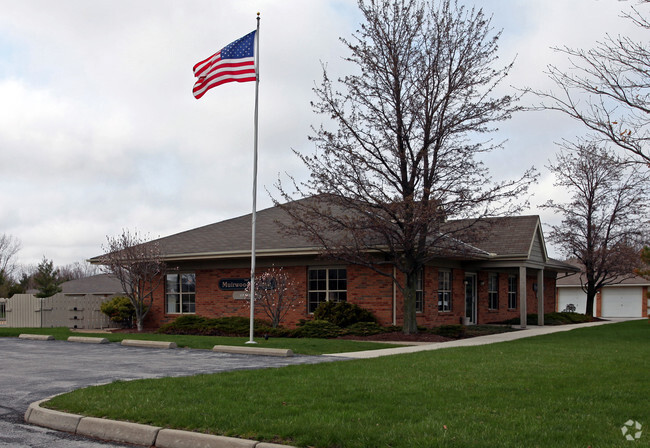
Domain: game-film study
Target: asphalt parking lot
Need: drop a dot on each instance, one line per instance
(33, 370)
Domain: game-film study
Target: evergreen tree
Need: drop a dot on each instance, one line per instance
(47, 279)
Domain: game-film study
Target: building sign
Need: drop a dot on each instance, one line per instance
(241, 295)
(240, 284)
(233, 284)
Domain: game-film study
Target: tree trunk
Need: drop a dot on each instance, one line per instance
(591, 295)
(410, 325)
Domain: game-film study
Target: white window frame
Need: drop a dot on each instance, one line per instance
(329, 293)
(185, 302)
(512, 292)
(493, 291)
(419, 291)
(445, 296)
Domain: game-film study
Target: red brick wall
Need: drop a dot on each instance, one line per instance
(213, 302)
(367, 289)
(372, 291)
(430, 316)
(487, 315)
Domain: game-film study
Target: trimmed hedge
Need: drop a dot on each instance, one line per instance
(364, 329)
(222, 326)
(318, 329)
(343, 314)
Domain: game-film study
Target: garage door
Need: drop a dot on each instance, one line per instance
(573, 296)
(622, 301)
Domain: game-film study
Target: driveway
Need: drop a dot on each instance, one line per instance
(32, 370)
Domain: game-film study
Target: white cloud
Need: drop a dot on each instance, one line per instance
(99, 131)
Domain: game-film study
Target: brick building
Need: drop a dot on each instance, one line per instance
(503, 278)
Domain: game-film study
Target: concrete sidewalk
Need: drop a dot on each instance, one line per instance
(530, 331)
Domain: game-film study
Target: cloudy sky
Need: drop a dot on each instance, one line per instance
(99, 130)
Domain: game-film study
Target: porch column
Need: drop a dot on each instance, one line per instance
(522, 297)
(540, 297)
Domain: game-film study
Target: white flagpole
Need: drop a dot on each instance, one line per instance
(253, 219)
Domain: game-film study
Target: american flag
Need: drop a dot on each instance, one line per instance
(234, 62)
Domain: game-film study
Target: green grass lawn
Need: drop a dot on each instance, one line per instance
(303, 346)
(572, 389)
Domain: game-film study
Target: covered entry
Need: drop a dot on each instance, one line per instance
(470, 298)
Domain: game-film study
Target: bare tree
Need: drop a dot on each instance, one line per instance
(403, 157)
(77, 270)
(276, 294)
(9, 247)
(604, 223)
(644, 269)
(137, 263)
(607, 88)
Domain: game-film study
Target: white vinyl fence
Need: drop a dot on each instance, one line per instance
(60, 310)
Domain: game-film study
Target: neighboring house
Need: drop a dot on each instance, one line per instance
(500, 279)
(629, 298)
(97, 285)
(78, 305)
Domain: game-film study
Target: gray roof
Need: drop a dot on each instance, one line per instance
(233, 236)
(573, 280)
(503, 237)
(96, 284)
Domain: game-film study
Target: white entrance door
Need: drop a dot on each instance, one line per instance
(622, 301)
(470, 298)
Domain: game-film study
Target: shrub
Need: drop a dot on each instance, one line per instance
(455, 331)
(235, 325)
(565, 318)
(318, 329)
(364, 329)
(120, 310)
(343, 314)
(222, 326)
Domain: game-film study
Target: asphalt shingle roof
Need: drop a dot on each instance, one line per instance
(505, 236)
(96, 284)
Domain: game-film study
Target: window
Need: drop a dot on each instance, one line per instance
(180, 292)
(512, 291)
(419, 292)
(444, 290)
(493, 291)
(326, 285)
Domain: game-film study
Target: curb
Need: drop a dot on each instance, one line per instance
(134, 433)
(36, 337)
(87, 340)
(142, 343)
(148, 344)
(253, 350)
